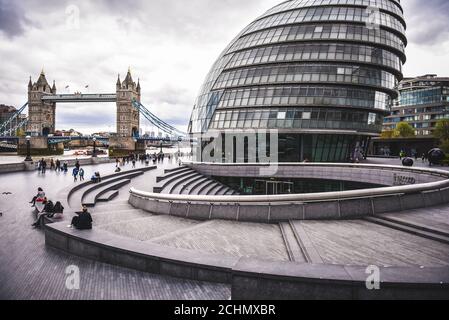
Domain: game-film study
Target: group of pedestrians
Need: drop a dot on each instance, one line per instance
(57, 166)
(78, 172)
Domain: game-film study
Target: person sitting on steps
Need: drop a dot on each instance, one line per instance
(48, 210)
(83, 220)
(40, 195)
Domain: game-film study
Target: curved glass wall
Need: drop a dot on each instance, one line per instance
(387, 5)
(319, 32)
(294, 73)
(337, 13)
(321, 65)
(305, 95)
(318, 51)
(299, 118)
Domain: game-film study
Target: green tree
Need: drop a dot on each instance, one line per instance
(442, 130)
(404, 130)
(20, 133)
(387, 134)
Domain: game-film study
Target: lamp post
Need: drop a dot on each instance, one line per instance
(94, 154)
(28, 158)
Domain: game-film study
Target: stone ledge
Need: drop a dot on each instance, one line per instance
(251, 278)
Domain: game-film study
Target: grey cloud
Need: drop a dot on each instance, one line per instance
(427, 21)
(12, 18)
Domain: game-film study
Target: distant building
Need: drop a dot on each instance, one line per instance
(422, 102)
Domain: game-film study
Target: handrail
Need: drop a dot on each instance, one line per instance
(326, 196)
(428, 171)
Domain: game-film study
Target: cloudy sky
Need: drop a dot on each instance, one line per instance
(169, 44)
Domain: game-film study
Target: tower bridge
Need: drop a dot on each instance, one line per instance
(41, 120)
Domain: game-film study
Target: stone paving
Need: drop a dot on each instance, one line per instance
(358, 242)
(29, 270)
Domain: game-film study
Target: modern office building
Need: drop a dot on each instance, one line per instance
(422, 102)
(323, 73)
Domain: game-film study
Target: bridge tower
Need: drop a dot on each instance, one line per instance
(41, 115)
(128, 117)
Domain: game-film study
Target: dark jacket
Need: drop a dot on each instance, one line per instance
(84, 221)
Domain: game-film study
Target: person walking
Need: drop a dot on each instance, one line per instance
(44, 166)
(52, 164)
(58, 165)
(66, 167)
(134, 162)
(81, 173)
(75, 174)
(77, 164)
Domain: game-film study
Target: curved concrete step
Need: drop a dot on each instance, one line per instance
(91, 199)
(160, 186)
(194, 185)
(170, 188)
(200, 187)
(172, 173)
(186, 183)
(215, 190)
(108, 196)
(210, 187)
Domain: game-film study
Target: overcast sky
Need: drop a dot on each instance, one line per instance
(169, 44)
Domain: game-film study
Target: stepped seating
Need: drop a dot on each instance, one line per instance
(91, 198)
(108, 196)
(184, 180)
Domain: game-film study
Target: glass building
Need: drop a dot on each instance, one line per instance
(422, 102)
(323, 73)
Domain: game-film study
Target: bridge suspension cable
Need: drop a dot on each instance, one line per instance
(3, 126)
(157, 122)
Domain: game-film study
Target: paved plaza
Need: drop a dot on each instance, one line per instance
(30, 270)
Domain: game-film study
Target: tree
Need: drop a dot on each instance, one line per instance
(20, 133)
(404, 130)
(442, 130)
(387, 134)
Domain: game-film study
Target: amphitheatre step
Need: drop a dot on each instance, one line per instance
(179, 189)
(206, 190)
(172, 186)
(431, 235)
(308, 249)
(77, 194)
(192, 187)
(169, 173)
(200, 187)
(294, 250)
(215, 190)
(108, 196)
(160, 186)
(91, 198)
